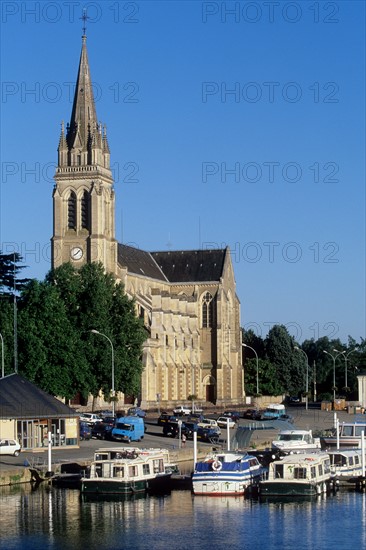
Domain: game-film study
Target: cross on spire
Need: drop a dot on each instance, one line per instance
(84, 17)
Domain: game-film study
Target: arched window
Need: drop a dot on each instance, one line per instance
(85, 210)
(71, 211)
(208, 310)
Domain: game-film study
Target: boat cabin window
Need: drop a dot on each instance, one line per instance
(320, 469)
(279, 470)
(359, 430)
(146, 469)
(118, 471)
(338, 460)
(101, 456)
(132, 471)
(351, 460)
(357, 459)
(347, 430)
(158, 466)
(98, 470)
(290, 437)
(312, 472)
(299, 473)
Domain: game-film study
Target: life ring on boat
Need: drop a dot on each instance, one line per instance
(216, 466)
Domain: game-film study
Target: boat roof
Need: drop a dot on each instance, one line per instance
(288, 432)
(302, 458)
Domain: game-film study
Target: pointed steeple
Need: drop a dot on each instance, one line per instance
(83, 116)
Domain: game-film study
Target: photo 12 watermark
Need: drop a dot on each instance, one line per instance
(37, 172)
(269, 172)
(29, 12)
(270, 12)
(315, 330)
(271, 252)
(54, 92)
(269, 92)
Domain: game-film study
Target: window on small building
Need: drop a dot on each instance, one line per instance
(71, 211)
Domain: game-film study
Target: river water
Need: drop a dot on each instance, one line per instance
(53, 518)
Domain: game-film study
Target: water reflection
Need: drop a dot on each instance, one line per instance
(54, 518)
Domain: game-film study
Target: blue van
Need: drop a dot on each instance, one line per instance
(129, 428)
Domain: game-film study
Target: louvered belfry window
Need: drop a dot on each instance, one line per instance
(71, 211)
(85, 211)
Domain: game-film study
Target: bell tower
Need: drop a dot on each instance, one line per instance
(83, 195)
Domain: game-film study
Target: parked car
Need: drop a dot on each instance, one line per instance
(194, 417)
(209, 423)
(104, 413)
(171, 429)
(207, 435)
(85, 431)
(101, 430)
(223, 421)
(90, 418)
(9, 447)
(181, 410)
(136, 411)
(190, 427)
(163, 418)
(235, 415)
(252, 414)
(109, 420)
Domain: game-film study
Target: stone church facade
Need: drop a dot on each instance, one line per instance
(187, 298)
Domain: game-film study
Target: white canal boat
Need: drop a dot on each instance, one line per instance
(349, 436)
(346, 465)
(295, 441)
(128, 471)
(227, 474)
(304, 474)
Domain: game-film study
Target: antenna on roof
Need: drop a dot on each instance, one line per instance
(169, 243)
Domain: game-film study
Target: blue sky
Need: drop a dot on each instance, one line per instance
(236, 124)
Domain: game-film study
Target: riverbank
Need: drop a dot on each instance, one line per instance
(22, 469)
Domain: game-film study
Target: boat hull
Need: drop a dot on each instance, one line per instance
(110, 486)
(286, 489)
(223, 484)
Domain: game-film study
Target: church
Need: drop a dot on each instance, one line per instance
(186, 298)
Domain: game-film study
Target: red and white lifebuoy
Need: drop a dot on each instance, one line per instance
(216, 466)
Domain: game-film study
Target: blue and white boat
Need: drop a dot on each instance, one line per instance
(227, 474)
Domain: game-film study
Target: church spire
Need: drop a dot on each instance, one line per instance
(84, 117)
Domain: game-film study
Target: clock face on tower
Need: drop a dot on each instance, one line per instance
(76, 253)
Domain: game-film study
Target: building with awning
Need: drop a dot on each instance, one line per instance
(27, 414)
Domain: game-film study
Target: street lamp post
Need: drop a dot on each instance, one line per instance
(256, 356)
(2, 356)
(110, 341)
(345, 355)
(334, 360)
(307, 376)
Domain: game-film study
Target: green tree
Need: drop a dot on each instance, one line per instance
(268, 382)
(58, 350)
(9, 270)
(288, 363)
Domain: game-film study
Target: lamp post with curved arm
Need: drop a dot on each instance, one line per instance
(345, 355)
(307, 376)
(256, 356)
(110, 341)
(334, 360)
